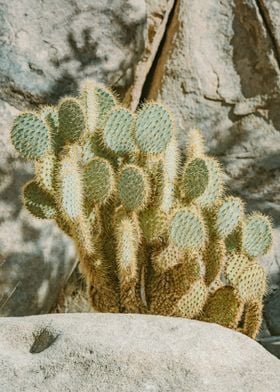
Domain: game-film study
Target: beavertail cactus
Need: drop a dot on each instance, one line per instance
(154, 229)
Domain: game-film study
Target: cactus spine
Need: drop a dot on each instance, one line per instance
(155, 232)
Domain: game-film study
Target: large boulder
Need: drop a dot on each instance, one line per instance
(219, 70)
(103, 352)
(49, 47)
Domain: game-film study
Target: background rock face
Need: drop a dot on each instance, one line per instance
(218, 70)
(130, 353)
(49, 47)
(46, 49)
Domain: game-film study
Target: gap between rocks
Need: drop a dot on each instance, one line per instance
(268, 27)
(155, 73)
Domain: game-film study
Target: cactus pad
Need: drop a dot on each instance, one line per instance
(187, 230)
(70, 187)
(154, 224)
(126, 239)
(45, 171)
(234, 241)
(191, 304)
(214, 188)
(153, 129)
(257, 235)
(169, 172)
(195, 178)
(38, 202)
(105, 102)
(235, 264)
(229, 214)
(117, 132)
(252, 283)
(167, 258)
(87, 150)
(71, 119)
(223, 307)
(30, 135)
(253, 318)
(152, 227)
(195, 144)
(98, 180)
(214, 259)
(133, 187)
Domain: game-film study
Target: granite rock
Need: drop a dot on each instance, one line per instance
(49, 47)
(102, 352)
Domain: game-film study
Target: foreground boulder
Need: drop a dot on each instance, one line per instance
(102, 352)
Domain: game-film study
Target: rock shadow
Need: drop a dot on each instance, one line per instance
(252, 52)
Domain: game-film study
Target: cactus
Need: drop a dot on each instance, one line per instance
(155, 232)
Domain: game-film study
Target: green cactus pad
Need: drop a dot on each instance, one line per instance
(153, 230)
(88, 152)
(169, 168)
(45, 171)
(117, 134)
(127, 245)
(167, 288)
(252, 318)
(50, 115)
(38, 202)
(71, 119)
(191, 304)
(105, 102)
(235, 264)
(30, 135)
(214, 188)
(98, 102)
(167, 258)
(195, 178)
(187, 230)
(257, 235)
(195, 144)
(133, 187)
(154, 224)
(214, 258)
(88, 98)
(153, 129)
(251, 283)
(98, 180)
(229, 214)
(223, 307)
(70, 187)
(94, 220)
(234, 240)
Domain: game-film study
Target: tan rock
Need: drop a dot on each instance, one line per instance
(119, 353)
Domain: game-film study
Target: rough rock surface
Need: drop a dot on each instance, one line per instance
(102, 352)
(46, 49)
(35, 256)
(272, 344)
(49, 47)
(219, 70)
(272, 313)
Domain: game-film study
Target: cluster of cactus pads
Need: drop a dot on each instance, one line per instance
(154, 229)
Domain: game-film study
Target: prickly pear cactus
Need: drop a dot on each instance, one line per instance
(155, 231)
